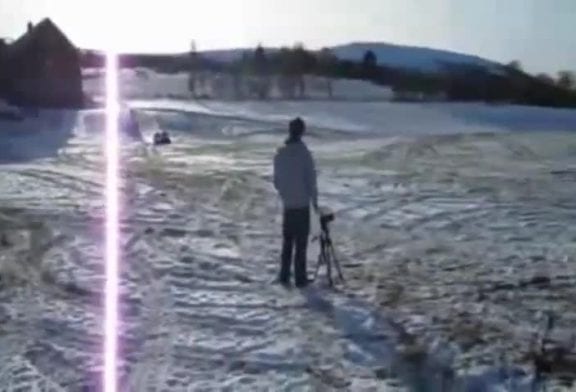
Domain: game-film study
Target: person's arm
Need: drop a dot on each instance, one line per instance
(311, 180)
(275, 173)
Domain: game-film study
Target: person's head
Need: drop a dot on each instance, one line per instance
(296, 128)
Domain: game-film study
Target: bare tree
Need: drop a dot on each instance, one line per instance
(566, 80)
(286, 80)
(326, 66)
(193, 68)
(369, 64)
(545, 78)
(261, 69)
(299, 62)
(237, 82)
(514, 65)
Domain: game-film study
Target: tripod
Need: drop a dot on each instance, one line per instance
(327, 254)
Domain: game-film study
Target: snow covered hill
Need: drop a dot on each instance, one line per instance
(398, 56)
(410, 57)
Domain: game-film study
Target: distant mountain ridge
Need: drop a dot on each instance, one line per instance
(391, 55)
(410, 57)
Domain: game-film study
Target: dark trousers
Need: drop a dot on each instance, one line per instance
(296, 229)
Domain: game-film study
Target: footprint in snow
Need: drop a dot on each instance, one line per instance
(176, 233)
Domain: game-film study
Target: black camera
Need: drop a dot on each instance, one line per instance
(326, 216)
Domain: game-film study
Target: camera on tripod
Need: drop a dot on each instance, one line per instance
(327, 256)
(326, 216)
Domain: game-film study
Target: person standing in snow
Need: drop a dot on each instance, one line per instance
(295, 182)
(131, 126)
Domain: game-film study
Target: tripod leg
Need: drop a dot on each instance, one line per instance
(318, 265)
(329, 268)
(336, 263)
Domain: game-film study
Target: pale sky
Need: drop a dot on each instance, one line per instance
(539, 33)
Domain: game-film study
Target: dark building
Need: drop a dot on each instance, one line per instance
(3, 46)
(41, 68)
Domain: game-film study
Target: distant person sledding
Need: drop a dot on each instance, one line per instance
(162, 138)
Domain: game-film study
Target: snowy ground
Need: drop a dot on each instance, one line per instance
(454, 228)
(143, 83)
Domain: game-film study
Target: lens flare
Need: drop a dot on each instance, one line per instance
(111, 142)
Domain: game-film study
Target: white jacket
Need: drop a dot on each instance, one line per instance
(295, 175)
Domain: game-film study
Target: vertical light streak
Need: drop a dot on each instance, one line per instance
(112, 256)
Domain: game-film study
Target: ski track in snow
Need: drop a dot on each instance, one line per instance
(425, 226)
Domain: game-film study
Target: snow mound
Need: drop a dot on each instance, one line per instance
(380, 118)
(43, 134)
(36, 135)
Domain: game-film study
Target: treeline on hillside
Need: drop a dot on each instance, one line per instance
(285, 69)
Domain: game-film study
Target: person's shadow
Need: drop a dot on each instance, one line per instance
(375, 341)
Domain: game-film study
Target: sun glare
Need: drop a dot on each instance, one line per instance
(111, 316)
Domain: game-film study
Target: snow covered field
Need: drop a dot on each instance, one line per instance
(142, 83)
(453, 225)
